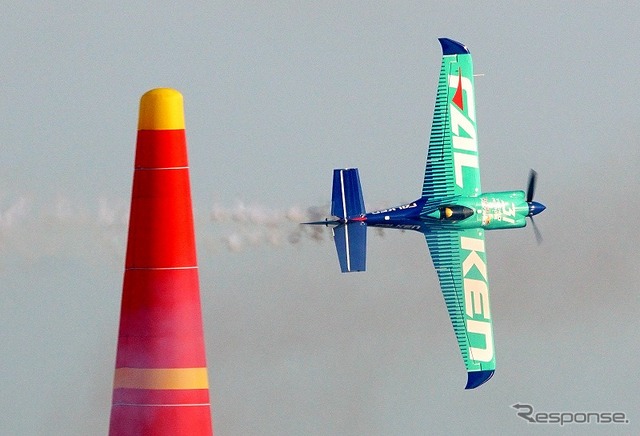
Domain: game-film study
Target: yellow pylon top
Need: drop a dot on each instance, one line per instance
(161, 109)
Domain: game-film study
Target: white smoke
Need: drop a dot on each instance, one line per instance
(32, 229)
(245, 226)
(13, 214)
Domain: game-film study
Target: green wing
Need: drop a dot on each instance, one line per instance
(460, 261)
(452, 160)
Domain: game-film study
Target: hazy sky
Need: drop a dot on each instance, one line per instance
(275, 98)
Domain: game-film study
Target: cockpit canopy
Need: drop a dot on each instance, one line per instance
(455, 213)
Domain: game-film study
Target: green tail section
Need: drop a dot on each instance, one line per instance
(452, 160)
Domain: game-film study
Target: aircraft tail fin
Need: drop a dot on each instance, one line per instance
(346, 196)
(351, 245)
(347, 203)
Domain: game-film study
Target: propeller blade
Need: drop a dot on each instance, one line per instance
(534, 208)
(532, 185)
(536, 231)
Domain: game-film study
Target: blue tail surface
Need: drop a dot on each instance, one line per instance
(346, 195)
(347, 204)
(351, 245)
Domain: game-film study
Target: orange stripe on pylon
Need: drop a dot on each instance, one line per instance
(161, 378)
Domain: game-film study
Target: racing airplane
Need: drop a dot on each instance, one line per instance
(453, 213)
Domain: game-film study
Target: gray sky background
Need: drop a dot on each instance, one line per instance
(275, 98)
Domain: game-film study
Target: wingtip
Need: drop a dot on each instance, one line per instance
(451, 47)
(478, 378)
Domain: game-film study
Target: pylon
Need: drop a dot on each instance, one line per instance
(161, 385)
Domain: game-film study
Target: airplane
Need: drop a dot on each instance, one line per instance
(452, 213)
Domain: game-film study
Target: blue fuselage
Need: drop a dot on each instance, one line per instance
(495, 210)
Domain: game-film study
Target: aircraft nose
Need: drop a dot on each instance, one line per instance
(535, 208)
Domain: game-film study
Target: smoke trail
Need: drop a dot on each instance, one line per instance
(244, 226)
(13, 214)
(31, 229)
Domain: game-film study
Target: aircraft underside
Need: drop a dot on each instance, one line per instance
(452, 213)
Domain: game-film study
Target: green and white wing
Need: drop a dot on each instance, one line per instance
(452, 160)
(460, 261)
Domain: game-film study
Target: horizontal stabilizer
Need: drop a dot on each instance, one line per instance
(346, 195)
(325, 223)
(351, 244)
(477, 378)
